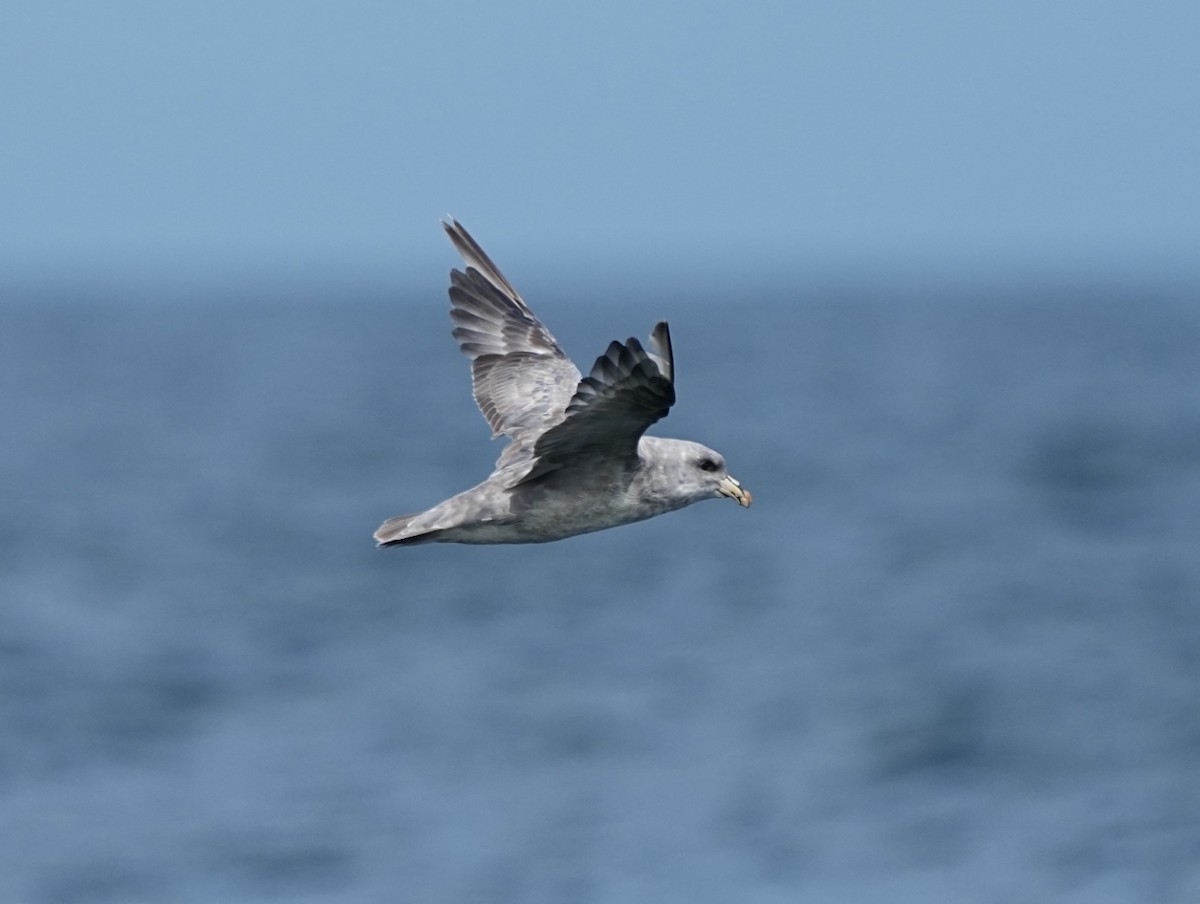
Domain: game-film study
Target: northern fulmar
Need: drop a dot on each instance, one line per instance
(578, 460)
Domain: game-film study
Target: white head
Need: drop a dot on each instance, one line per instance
(678, 472)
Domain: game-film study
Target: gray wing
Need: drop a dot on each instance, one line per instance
(629, 388)
(522, 380)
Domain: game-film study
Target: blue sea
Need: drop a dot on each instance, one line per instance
(952, 653)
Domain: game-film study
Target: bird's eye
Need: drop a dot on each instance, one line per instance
(707, 464)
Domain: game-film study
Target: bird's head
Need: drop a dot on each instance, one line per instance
(684, 472)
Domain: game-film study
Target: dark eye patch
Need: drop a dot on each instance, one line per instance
(707, 464)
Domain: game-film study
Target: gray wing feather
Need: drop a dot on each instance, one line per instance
(528, 389)
(628, 389)
(522, 379)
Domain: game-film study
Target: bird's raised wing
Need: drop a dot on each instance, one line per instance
(629, 388)
(522, 380)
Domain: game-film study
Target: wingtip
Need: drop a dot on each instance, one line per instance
(661, 351)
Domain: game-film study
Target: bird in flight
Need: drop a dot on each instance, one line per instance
(578, 459)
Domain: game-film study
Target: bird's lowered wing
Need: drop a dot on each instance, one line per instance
(629, 388)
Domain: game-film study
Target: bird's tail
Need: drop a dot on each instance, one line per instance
(400, 531)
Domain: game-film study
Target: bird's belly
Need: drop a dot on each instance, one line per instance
(553, 523)
(540, 514)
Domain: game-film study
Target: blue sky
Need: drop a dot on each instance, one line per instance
(143, 136)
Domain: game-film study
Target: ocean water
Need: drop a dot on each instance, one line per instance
(951, 653)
